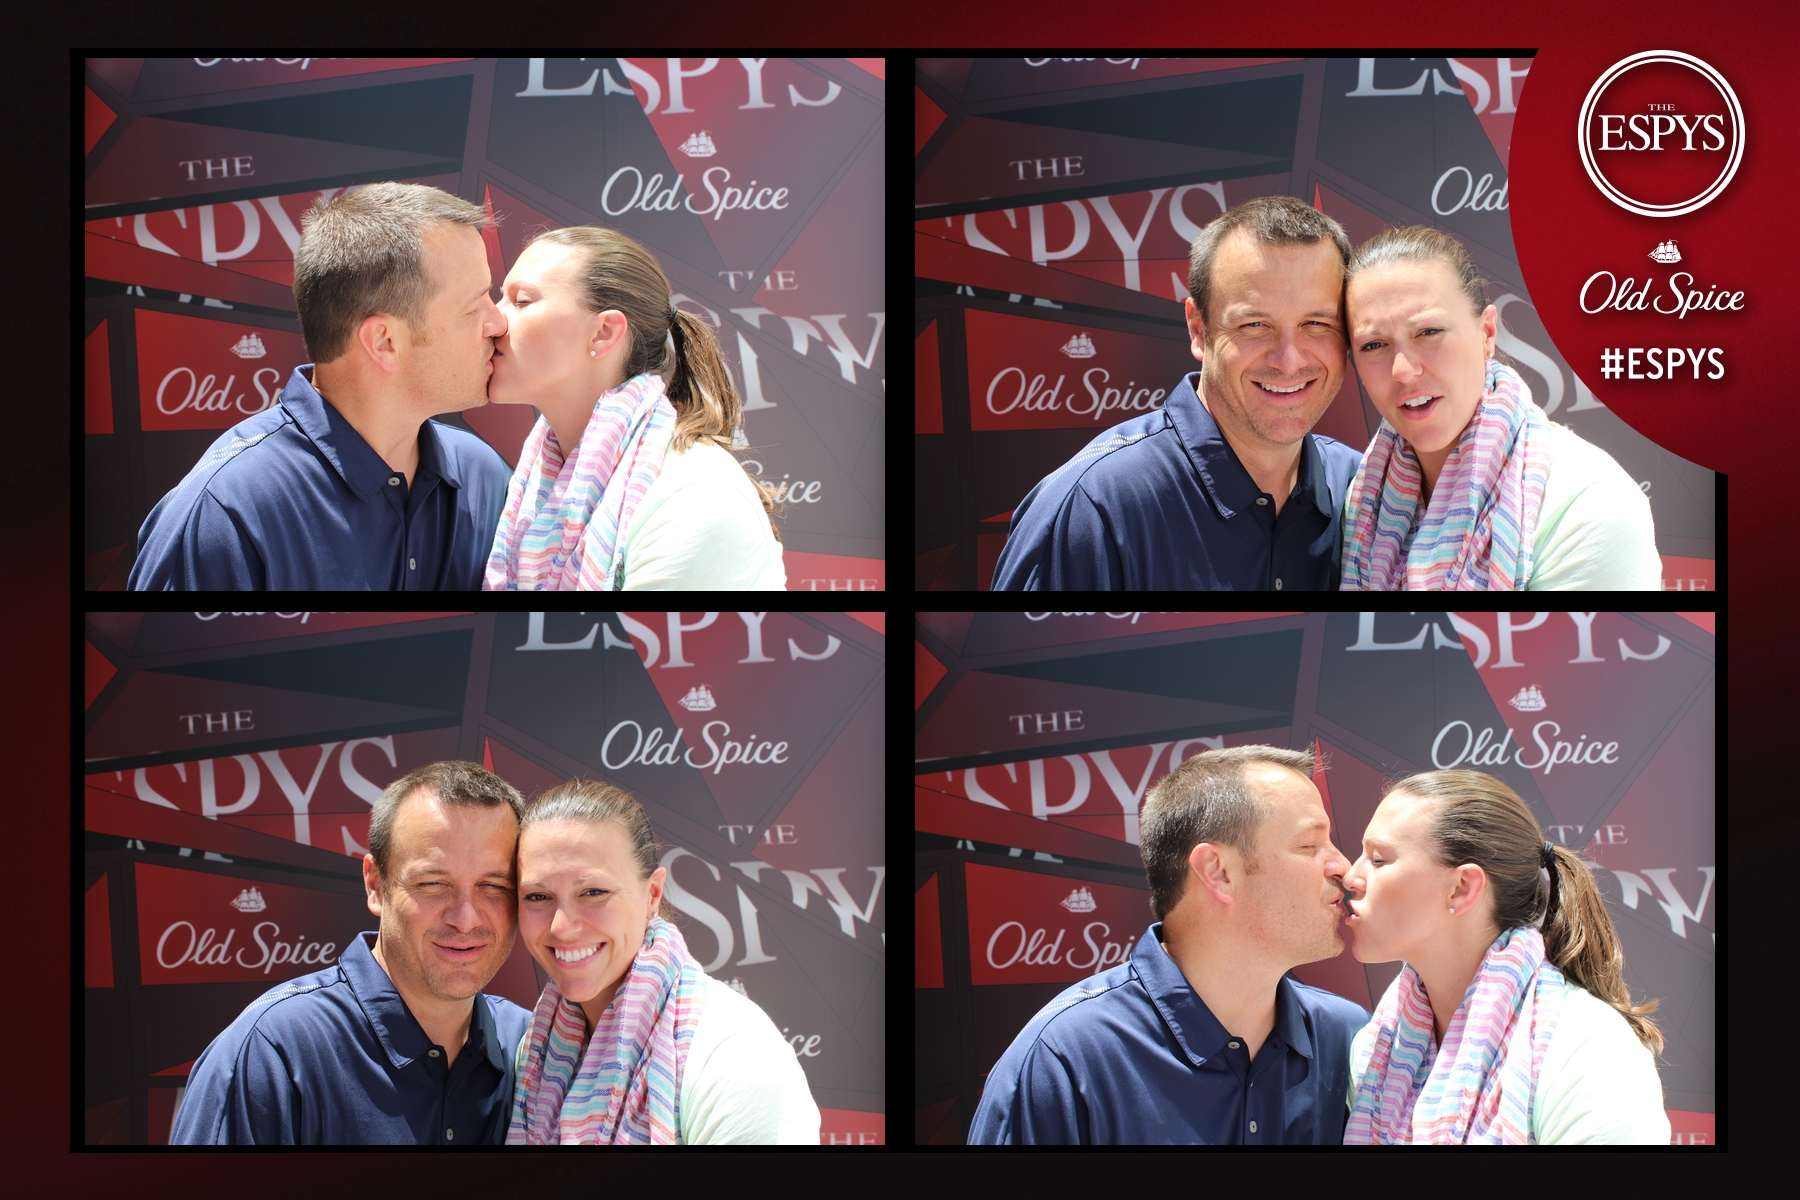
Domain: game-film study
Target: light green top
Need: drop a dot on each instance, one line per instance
(701, 526)
(1598, 1085)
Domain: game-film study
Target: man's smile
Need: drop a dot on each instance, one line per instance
(1285, 391)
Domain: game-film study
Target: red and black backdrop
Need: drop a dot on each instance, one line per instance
(1054, 201)
(1036, 736)
(231, 760)
(757, 183)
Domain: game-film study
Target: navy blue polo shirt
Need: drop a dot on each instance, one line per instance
(1161, 501)
(1133, 1056)
(293, 498)
(336, 1058)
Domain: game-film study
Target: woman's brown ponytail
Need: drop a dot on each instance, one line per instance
(1482, 821)
(702, 392)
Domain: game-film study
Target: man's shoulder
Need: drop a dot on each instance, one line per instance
(1067, 1022)
(1340, 461)
(1329, 1010)
(471, 454)
(241, 461)
(510, 1019)
(300, 1009)
(1120, 455)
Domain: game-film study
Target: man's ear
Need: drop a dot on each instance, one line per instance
(1196, 330)
(372, 883)
(378, 340)
(1215, 869)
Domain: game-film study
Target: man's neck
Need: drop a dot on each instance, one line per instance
(390, 432)
(1274, 469)
(445, 1022)
(1236, 984)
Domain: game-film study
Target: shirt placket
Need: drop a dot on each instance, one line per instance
(402, 500)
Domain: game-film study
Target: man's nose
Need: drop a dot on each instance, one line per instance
(495, 325)
(462, 912)
(1287, 357)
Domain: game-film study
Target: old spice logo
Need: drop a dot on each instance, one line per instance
(1080, 901)
(1079, 346)
(203, 948)
(1480, 749)
(699, 145)
(1666, 252)
(1529, 699)
(1012, 942)
(699, 699)
(202, 396)
(249, 346)
(249, 900)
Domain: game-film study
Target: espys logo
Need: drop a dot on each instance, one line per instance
(1661, 133)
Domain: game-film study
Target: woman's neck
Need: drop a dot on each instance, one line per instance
(1446, 971)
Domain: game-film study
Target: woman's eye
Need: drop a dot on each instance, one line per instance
(1375, 862)
(520, 302)
(596, 891)
(1368, 346)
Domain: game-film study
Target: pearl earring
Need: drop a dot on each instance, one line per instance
(593, 353)
(1453, 912)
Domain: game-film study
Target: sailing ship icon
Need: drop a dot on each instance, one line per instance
(699, 699)
(1079, 346)
(249, 346)
(1529, 699)
(699, 145)
(1080, 901)
(1666, 252)
(249, 900)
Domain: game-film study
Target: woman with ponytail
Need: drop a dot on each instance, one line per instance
(1510, 1022)
(627, 479)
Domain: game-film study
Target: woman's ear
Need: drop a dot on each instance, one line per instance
(610, 331)
(1490, 327)
(1471, 886)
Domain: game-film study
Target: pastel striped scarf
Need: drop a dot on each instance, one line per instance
(626, 1089)
(1478, 532)
(1477, 1086)
(565, 519)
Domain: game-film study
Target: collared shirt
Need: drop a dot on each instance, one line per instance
(336, 1058)
(294, 498)
(1134, 1056)
(1161, 501)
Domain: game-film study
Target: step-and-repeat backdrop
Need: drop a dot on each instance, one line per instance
(1037, 735)
(1054, 203)
(231, 760)
(757, 183)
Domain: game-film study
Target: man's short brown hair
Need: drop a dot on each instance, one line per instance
(362, 252)
(1274, 220)
(1205, 799)
(452, 782)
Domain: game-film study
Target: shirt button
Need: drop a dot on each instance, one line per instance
(1278, 585)
(1262, 499)
(1253, 1127)
(1233, 1045)
(450, 1134)
(394, 481)
(434, 1053)
(412, 564)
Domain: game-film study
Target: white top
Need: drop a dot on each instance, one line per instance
(702, 526)
(742, 1083)
(1598, 1085)
(1594, 529)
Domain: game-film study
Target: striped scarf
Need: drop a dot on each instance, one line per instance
(565, 519)
(1478, 1087)
(1478, 531)
(626, 1089)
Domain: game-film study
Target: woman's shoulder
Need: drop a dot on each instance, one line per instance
(1598, 1082)
(742, 1081)
(1594, 527)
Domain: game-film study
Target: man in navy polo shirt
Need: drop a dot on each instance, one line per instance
(395, 1043)
(346, 483)
(1202, 1037)
(1225, 487)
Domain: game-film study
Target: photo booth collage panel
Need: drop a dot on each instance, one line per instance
(232, 758)
(1037, 735)
(1054, 203)
(756, 183)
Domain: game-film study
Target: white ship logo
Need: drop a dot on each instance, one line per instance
(1079, 347)
(1080, 900)
(249, 900)
(699, 700)
(1529, 700)
(737, 985)
(249, 346)
(699, 145)
(1666, 252)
